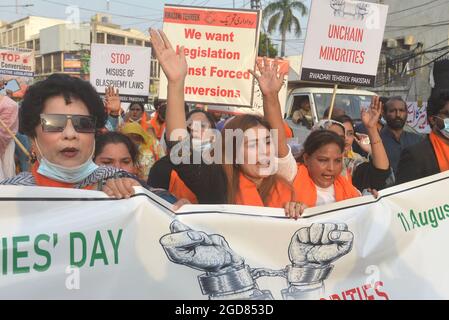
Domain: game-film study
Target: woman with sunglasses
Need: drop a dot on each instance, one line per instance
(61, 115)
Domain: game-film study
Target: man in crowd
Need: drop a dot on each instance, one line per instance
(394, 137)
(431, 155)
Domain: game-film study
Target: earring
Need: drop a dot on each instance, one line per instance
(33, 157)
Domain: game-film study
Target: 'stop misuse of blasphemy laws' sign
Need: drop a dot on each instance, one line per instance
(220, 46)
(343, 42)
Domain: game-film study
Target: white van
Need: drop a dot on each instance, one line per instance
(351, 100)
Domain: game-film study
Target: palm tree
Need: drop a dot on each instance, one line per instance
(280, 16)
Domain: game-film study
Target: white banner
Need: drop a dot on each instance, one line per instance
(220, 46)
(127, 68)
(72, 244)
(343, 42)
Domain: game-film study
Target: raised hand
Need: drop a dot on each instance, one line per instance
(371, 116)
(173, 63)
(112, 101)
(270, 79)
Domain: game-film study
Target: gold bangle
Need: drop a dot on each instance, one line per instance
(378, 141)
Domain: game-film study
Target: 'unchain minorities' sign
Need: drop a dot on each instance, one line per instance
(220, 46)
(343, 42)
(126, 68)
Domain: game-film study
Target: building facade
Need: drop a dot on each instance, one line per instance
(416, 40)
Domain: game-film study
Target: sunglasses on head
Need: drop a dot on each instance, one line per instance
(58, 122)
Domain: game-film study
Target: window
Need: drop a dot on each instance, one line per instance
(15, 35)
(154, 73)
(131, 41)
(22, 34)
(351, 103)
(139, 42)
(147, 44)
(37, 44)
(3, 38)
(100, 37)
(115, 39)
(38, 65)
(10, 37)
(57, 66)
(47, 63)
(30, 44)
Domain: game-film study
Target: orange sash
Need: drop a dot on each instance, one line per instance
(143, 121)
(43, 181)
(288, 131)
(441, 151)
(305, 189)
(248, 194)
(179, 189)
(158, 128)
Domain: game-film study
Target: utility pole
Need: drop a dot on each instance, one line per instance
(255, 5)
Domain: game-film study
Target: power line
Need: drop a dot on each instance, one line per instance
(98, 11)
(134, 5)
(418, 6)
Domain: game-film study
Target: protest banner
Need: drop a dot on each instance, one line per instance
(343, 42)
(74, 244)
(417, 117)
(220, 46)
(17, 64)
(257, 107)
(127, 68)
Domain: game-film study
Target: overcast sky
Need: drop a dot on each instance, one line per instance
(138, 14)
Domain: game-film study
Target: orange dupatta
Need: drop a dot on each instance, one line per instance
(248, 194)
(305, 189)
(441, 151)
(158, 128)
(178, 188)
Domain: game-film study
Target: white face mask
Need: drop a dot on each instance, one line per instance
(64, 174)
(199, 145)
(445, 130)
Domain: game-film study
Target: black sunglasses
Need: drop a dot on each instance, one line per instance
(58, 122)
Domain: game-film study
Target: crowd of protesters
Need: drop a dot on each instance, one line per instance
(64, 135)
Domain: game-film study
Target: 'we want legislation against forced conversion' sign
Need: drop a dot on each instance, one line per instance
(220, 46)
(343, 42)
(126, 68)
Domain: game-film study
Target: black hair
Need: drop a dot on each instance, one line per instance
(437, 101)
(320, 138)
(344, 118)
(390, 100)
(137, 104)
(102, 140)
(209, 117)
(59, 85)
(334, 111)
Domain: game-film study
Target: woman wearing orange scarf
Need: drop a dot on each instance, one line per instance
(319, 180)
(431, 156)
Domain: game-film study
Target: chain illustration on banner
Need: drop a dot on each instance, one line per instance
(311, 252)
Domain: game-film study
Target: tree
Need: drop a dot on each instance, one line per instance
(280, 17)
(263, 42)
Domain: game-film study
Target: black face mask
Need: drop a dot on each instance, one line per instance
(396, 123)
